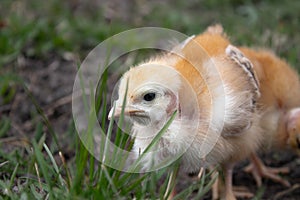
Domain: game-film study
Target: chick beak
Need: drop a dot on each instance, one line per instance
(128, 111)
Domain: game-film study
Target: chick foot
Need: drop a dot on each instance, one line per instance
(224, 190)
(259, 170)
(237, 191)
(242, 192)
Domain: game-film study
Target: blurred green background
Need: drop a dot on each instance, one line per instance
(34, 29)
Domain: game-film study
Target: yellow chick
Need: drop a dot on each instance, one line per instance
(215, 71)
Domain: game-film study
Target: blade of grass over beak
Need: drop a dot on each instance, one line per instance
(136, 165)
(160, 133)
(155, 139)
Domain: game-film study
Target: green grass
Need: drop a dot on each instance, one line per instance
(32, 167)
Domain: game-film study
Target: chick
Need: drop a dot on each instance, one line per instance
(214, 70)
(282, 132)
(280, 97)
(281, 129)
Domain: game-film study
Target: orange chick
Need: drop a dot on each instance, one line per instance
(213, 70)
(280, 119)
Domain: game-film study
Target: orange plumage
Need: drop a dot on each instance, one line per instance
(256, 86)
(279, 102)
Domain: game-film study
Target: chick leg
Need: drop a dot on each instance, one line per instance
(259, 170)
(227, 193)
(215, 189)
(231, 191)
(227, 190)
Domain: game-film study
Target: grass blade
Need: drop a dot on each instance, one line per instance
(13, 176)
(43, 165)
(62, 181)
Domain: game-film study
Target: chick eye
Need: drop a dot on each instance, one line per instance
(149, 96)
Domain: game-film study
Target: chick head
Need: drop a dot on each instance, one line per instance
(293, 129)
(149, 93)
